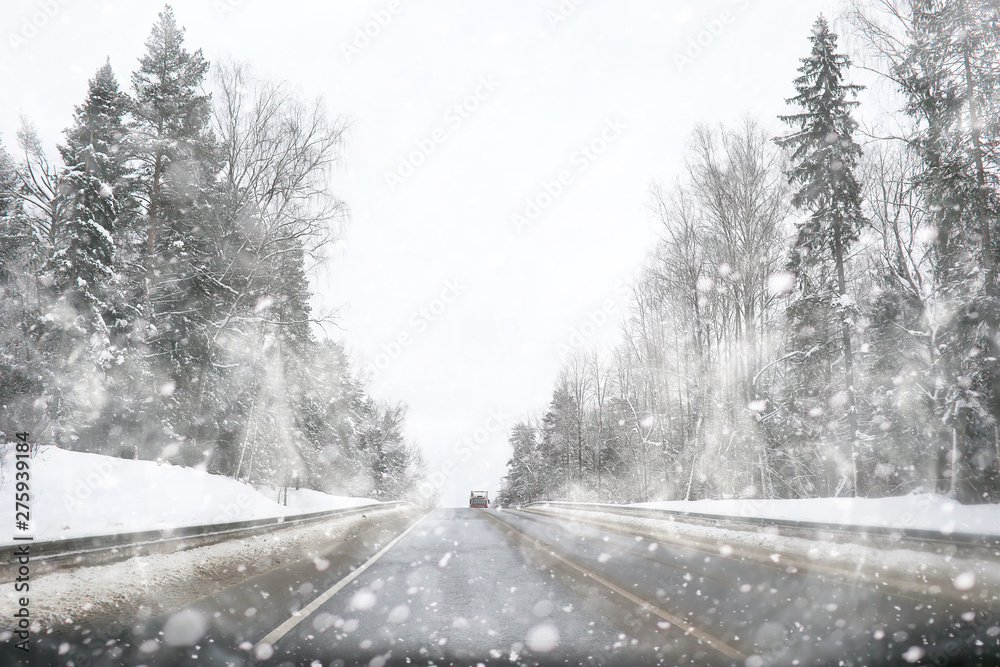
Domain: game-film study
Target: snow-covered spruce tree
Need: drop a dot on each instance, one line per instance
(171, 140)
(824, 157)
(95, 166)
(950, 74)
(559, 437)
(171, 120)
(391, 461)
(329, 412)
(82, 304)
(10, 208)
(522, 483)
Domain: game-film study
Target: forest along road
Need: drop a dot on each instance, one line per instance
(463, 586)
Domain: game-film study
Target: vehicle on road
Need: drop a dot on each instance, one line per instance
(479, 499)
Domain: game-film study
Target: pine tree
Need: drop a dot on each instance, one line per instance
(522, 482)
(95, 171)
(329, 411)
(559, 435)
(824, 157)
(9, 212)
(382, 443)
(171, 117)
(80, 298)
(171, 138)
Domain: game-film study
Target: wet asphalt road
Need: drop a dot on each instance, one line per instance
(466, 587)
(454, 590)
(772, 615)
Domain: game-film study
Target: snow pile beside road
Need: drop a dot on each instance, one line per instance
(924, 511)
(75, 494)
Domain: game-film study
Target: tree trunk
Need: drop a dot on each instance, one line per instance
(845, 330)
(957, 450)
(151, 223)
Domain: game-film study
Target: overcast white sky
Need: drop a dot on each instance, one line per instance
(539, 79)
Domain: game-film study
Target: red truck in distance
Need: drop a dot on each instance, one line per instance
(479, 499)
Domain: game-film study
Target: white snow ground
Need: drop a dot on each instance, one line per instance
(924, 511)
(74, 494)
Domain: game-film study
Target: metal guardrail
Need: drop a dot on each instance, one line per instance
(986, 543)
(49, 555)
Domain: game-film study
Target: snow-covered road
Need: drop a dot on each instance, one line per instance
(464, 587)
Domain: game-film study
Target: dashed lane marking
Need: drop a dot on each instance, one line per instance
(274, 635)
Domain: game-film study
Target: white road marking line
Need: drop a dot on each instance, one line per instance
(274, 635)
(719, 645)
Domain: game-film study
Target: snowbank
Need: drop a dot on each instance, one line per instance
(923, 511)
(74, 494)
